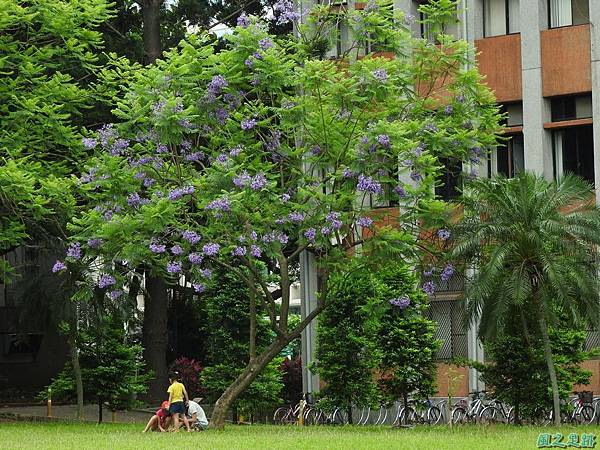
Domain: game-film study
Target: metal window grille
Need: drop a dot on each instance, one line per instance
(450, 330)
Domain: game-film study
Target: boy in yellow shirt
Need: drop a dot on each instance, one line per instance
(177, 393)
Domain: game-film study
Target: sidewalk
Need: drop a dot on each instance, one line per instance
(69, 412)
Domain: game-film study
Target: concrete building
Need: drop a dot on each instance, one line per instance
(542, 60)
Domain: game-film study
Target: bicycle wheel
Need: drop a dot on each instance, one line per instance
(459, 415)
(407, 416)
(586, 415)
(339, 417)
(511, 415)
(434, 415)
(280, 414)
(312, 417)
(488, 415)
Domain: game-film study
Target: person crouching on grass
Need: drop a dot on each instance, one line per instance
(196, 414)
(177, 393)
(160, 420)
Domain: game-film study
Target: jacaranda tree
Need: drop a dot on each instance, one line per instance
(245, 158)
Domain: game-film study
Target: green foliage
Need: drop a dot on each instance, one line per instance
(111, 369)
(518, 374)
(361, 333)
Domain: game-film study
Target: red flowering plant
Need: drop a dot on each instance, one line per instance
(189, 370)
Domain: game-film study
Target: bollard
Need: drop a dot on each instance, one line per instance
(49, 403)
(301, 412)
(114, 416)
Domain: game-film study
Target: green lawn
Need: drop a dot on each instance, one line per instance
(25, 435)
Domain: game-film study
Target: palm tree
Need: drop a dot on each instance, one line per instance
(533, 243)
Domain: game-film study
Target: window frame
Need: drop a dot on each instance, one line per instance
(550, 27)
(506, 21)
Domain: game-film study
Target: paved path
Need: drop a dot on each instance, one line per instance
(70, 412)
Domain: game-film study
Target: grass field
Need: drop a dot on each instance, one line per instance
(26, 435)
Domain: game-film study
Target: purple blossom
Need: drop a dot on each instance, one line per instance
(134, 200)
(177, 193)
(265, 43)
(419, 149)
(94, 242)
(447, 272)
(400, 191)
(157, 248)
(428, 272)
(89, 143)
(243, 20)
(177, 250)
(211, 249)
(174, 267)
(220, 204)
(158, 163)
(221, 115)
(416, 176)
(460, 98)
(191, 236)
(248, 124)
(242, 180)
(347, 173)
(448, 109)
(206, 273)
(106, 134)
(216, 85)
(199, 288)
(222, 158)
(197, 156)
(285, 12)
(364, 222)
(401, 302)
(384, 140)
(255, 251)
(380, 75)
(235, 151)
(296, 216)
(428, 287)
(195, 258)
(443, 234)
(283, 238)
(239, 251)
(58, 266)
(333, 218)
(431, 127)
(161, 148)
(106, 280)
(325, 231)
(371, 6)
(186, 145)
(253, 235)
(118, 147)
(113, 295)
(310, 234)
(367, 184)
(139, 175)
(74, 251)
(468, 125)
(148, 182)
(316, 150)
(158, 107)
(249, 62)
(258, 182)
(285, 198)
(255, 81)
(274, 142)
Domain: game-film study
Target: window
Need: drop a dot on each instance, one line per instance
(448, 183)
(510, 159)
(564, 13)
(572, 107)
(500, 17)
(429, 31)
(450, 330)
(574, 151)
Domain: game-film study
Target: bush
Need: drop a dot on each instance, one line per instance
(189, 371)
(292, 380)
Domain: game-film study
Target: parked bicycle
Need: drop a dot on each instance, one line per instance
(418, 412)
(466, 411)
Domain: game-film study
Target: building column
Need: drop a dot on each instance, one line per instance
(309, 283)
(595, 57)
(536, 109)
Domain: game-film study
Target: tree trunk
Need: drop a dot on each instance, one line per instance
(155, 337)
(249, 374)
(349, 412)
(76, 374)
(99, 409)
(151, 19)
(549, 362)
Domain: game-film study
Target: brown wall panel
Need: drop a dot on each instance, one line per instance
(566, 66)
(445, 373)
(499, 60)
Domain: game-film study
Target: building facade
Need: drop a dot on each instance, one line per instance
(542, 60)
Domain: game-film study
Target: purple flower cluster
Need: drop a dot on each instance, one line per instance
(316, 150)
(206, 273)
(89, 143)
(265, 43)
(347, 173)
(333, 218)
(242, 180)
(274, 142)
(199, 288)
(447, 272)
(222, 158)
(221, 115)
(380, 75)
(416, 176)
(94, 242)
(443, 234)
(367, 184)
(255, 251)
(220, 204)
(364, 222)
(258, 182)
(113, 295)
(431, 127)
(384, 140)
(296, 216)
(428, 287)
(161, 148)
(195, 258)
(419, 149)
(310, 234)
(177, 193)
(118, 147)
(235, 151)
(106, 280)
(177, 250)
(215, 87)
(401, 302)
(191, 236)
(74, 251)
(211, 249)
(400, 191)
(194, 157)
(174, 267)
(448, 109)
(134, 200)
(58, 266)
(157, 248)
(248, 124)
(285, 12)
(325, 231)
(106, 134)
(239, 251)
(243, 20)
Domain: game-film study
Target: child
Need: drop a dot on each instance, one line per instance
(160, 419)
(177, 393)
